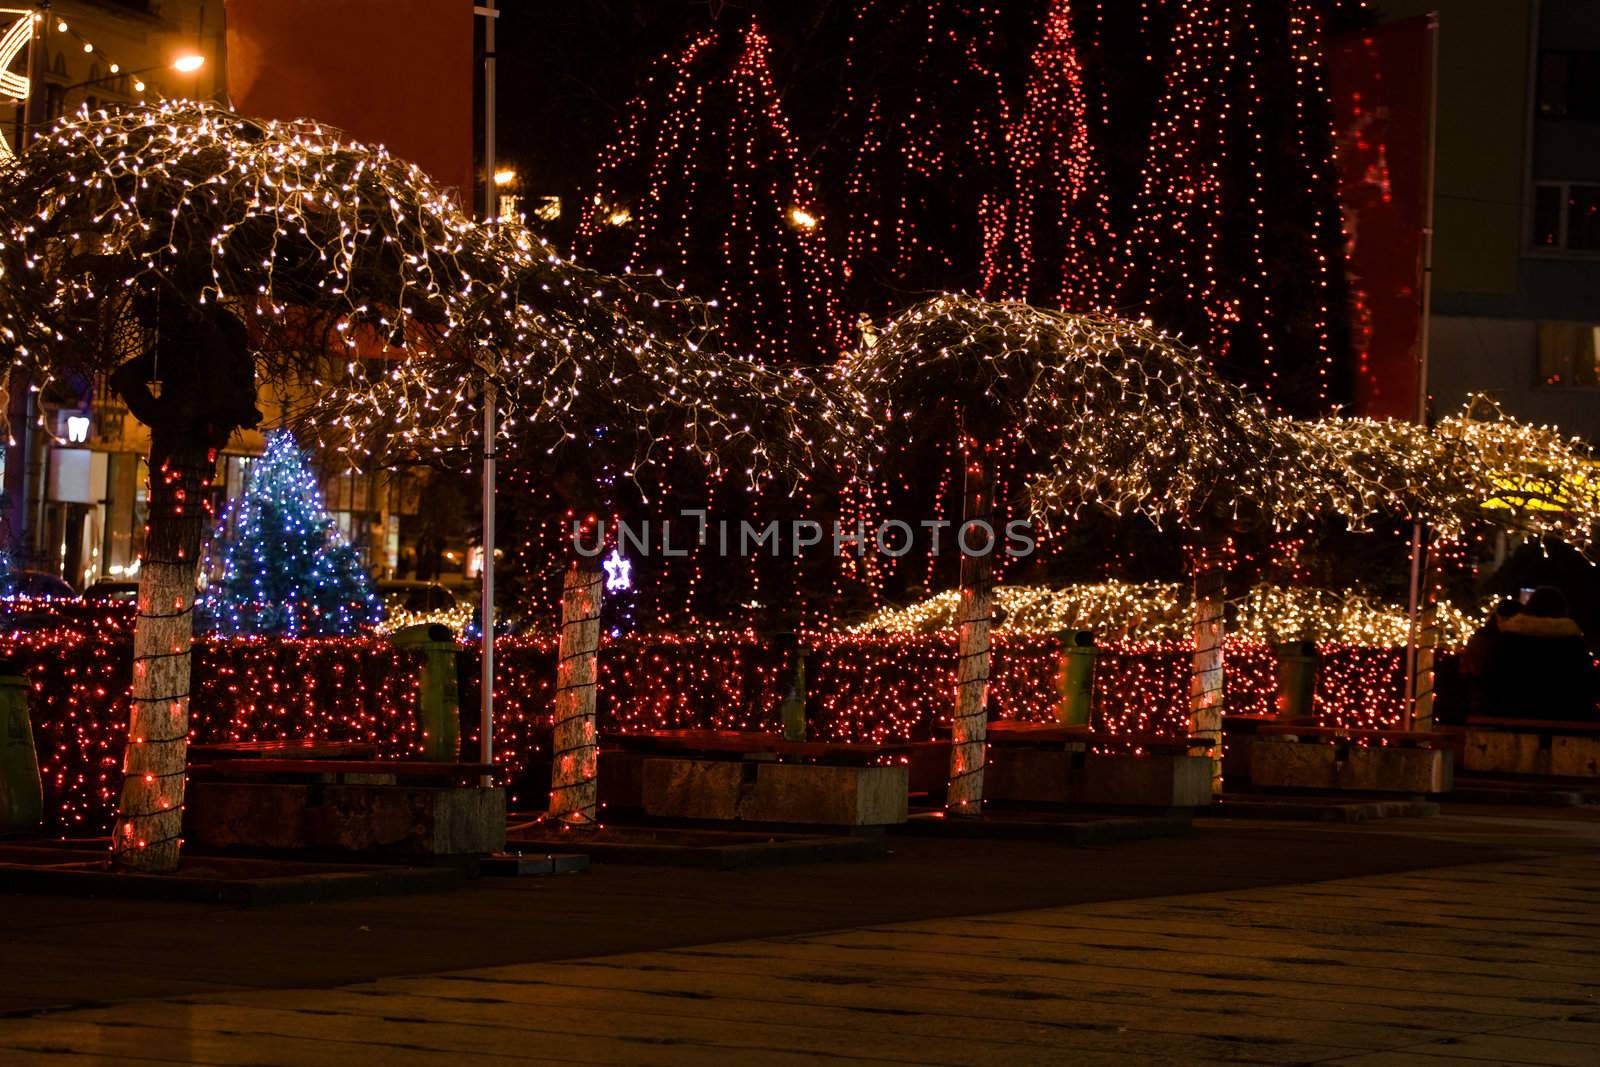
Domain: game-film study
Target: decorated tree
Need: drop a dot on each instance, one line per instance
(704, 178)
(596, 423)
(285, 569)
(1233, 236)
(186, 253)
(1119, 404)
(1049, 243)
(918, 151)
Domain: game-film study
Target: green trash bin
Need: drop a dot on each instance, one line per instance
(1297, 678)
(1075, 677)
(21, 795)
(438, 692)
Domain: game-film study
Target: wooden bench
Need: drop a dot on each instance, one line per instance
(211, 751)
(1552, 748)
(1406, 738)
(734, 744)
(366, 772)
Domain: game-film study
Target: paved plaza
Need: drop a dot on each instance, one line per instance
(1474, 939)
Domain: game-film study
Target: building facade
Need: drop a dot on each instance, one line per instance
(74, 473)
(1516, 281)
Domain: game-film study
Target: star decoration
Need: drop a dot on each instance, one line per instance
(619, 572)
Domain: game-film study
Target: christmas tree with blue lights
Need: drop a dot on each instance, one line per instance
(285, 568)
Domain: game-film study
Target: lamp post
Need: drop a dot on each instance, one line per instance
(491, 212)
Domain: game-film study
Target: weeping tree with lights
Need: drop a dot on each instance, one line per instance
(1476, 468)
(285, 568)
(703, 176)
(1290, 472)
(187, 254)
(592, 416)
(1049, 243)
(1124, 418)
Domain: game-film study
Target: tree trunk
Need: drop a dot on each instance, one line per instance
(1427, 646)
(1206, 690)
(150, 813)
(576, 748)
(970, 726)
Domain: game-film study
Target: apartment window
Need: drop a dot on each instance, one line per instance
(1569, 355)
(1566, 216)
(1569, 85)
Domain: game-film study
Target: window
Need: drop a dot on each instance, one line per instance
(1566, 216)
(1569, 355)
(1569, 86)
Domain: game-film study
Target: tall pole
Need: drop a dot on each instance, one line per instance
(490, 399)
(1414, 601)
(486, 711)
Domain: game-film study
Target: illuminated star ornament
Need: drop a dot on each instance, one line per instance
(619, 572)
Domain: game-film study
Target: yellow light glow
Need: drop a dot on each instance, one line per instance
(801, 219)
(619, 216)
(188, 64)
(505, 176)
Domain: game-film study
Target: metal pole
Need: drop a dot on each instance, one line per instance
(490, 399)
(1414, 602)
(490, 193)
(486, 721)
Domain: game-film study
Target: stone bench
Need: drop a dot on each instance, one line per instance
(1296, 756)
(397, 808)
(1044, 763)
(761, 778)
(1547, 748)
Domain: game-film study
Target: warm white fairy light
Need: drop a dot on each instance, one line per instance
(1126, 419)
(1162, 613)
(325, 245)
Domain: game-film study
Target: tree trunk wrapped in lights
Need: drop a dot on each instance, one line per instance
(575, 744)
(1207, 687)
(150, 813)
(974, 617)
(193, 386)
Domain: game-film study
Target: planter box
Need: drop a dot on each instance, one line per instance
(1342, 765)
(397, 820)
(769, 792)
(1024, 775)
(1532, 752)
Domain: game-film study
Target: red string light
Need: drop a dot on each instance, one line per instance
(863, 687)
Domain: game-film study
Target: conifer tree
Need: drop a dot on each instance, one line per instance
(285, 567)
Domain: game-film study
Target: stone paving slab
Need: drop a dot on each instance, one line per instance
(1486, 964)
